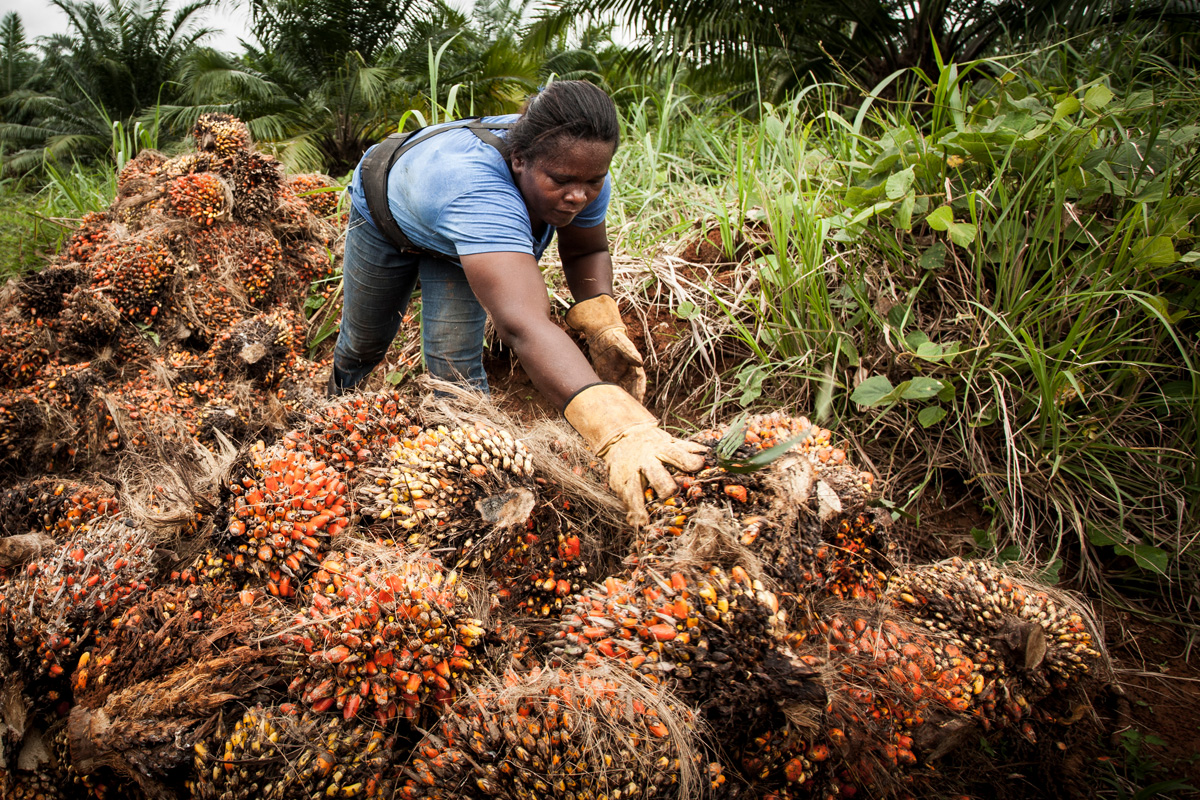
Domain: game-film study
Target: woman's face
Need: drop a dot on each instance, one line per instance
(561, 183)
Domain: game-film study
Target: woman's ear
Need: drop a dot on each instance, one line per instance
(517, 164)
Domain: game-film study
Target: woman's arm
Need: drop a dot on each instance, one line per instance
(510, 287)
(585, 259)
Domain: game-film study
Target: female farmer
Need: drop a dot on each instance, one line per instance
(468, 208)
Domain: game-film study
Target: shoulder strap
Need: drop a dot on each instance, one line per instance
(377, 166)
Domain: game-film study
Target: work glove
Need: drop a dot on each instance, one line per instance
(623, 433)
(614, 356)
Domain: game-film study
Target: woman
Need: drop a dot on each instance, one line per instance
(469, 208)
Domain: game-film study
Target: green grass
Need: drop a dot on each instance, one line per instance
(984, 276)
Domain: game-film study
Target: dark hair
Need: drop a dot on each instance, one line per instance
(574, 109)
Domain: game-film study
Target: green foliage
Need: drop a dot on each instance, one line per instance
(990, 272)
(116, 61)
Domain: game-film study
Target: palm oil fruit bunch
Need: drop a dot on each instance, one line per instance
(93, 232)
(537, 568)
(201, 198)
(355, 430)
(281, 510)
(140, 174)
(383, 637)
(431, 475)
(258, 349)
(50, 605)
(135, 274)
(558, 733)
(52, 506)
(41, 784)
(283, 752)
(318, 192)
(22, 354)
(710, 634)
(1026, 642)
(89, 320)
(257, 179)
(221, 135)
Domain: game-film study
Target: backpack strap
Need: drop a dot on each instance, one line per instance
(378, 164)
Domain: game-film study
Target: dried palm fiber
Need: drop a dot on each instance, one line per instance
(257, 179)
(284, 752)
(292, 218)
(319, 192)
(578, 732)
(384, 634)
(211, 305)
(51, 605)
(222, 136)
(157, 679)
(202, 198)
(278, 510)
(135, 273)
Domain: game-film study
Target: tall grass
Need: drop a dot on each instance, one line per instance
(986, 275)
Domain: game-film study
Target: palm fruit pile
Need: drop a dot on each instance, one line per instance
(190, 285)
(271, 594)
(320, 641)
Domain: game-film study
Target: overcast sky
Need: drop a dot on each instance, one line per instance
(41, 19)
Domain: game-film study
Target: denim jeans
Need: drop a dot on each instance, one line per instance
(377, 284)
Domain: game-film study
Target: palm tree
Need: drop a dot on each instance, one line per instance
(117, 60)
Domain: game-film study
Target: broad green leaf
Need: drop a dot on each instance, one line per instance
(1146, 556)
(1051, 574)
(904, 213)
(1066, 108)
(931, 415)
(930, 351)
(941, 218)
(1155, 251)
(915, 339)
(934, 256)
(1009, 554)
(963, 233)
(874, 391)
(1100, 536)
(1097, 97)
(948, 392)
(922, 388)
(686, 310)
(1190, 257)
(899, 183)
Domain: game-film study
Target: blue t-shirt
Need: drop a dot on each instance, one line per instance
(455, 195)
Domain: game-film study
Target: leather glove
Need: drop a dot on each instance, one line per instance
(614, 356)
(623, 433)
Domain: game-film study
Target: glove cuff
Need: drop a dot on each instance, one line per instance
(594, 316)
(604, 413)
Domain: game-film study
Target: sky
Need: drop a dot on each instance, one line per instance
(42, 19)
